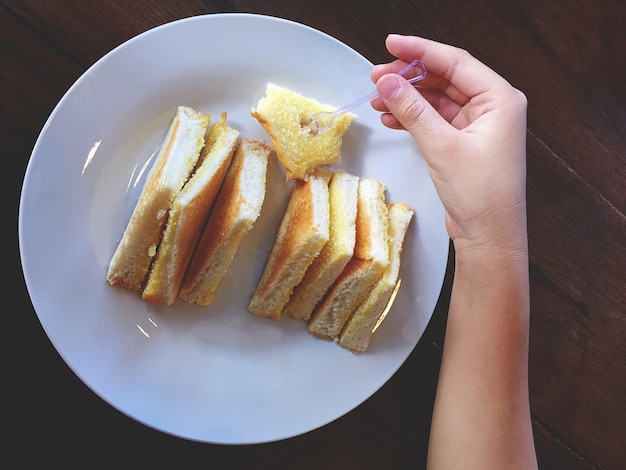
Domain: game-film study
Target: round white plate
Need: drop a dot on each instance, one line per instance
(216, 374)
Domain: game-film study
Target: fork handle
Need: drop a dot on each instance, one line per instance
(374, 94)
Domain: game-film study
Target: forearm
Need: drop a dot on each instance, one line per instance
(470, 125)
(481, 406)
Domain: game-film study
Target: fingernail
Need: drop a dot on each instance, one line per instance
(388, 86)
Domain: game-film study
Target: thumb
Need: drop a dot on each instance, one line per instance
(429, 129)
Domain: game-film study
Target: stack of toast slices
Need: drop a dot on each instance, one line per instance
(205, 180)
(335, 262)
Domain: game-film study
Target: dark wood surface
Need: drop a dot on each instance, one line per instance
(570, 60)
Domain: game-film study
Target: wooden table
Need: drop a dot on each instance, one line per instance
(570, 60)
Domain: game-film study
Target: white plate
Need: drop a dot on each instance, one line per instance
(214, 374)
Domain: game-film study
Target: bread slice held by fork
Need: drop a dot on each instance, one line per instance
(283, 114)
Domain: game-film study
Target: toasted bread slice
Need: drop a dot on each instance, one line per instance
(189, 213)
(237, 208)
(282, 113)
(371, 258)
(176, 160)
(335, 254)
(357, 332)
(302, 233)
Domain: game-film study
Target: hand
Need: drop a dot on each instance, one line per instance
(470, 125)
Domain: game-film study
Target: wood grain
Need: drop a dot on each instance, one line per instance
(567, 57)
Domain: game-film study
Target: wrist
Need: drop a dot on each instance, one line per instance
(508, 243)
(500, 236)
(478, 259)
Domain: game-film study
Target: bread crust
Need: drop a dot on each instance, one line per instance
(336, 253)
(371, 257)
(189, 213)
(302, 233)
(231, 219)
(357, 331)
(176, 160)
